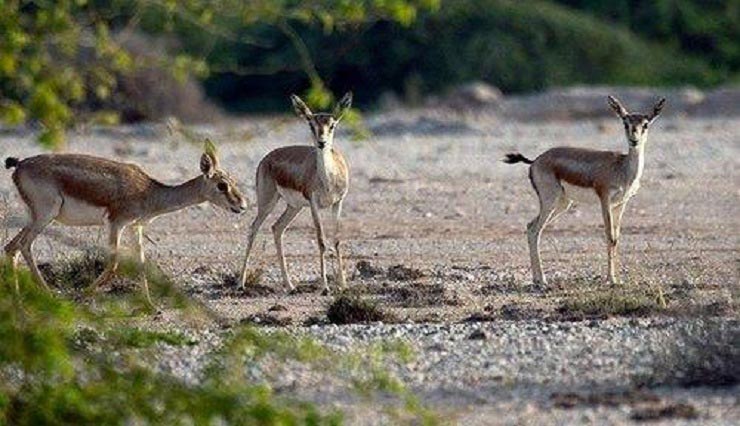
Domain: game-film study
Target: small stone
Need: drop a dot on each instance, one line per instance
(477, 335)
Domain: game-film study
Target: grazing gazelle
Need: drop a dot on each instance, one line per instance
(559, 174)
(304, 176)
(81, 190)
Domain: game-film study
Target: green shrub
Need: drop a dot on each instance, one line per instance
(59, 382)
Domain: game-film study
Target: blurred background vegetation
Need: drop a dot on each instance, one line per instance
(109, 61)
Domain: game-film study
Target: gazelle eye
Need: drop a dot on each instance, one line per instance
(222, 186)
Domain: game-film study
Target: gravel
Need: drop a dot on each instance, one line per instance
(441, 203)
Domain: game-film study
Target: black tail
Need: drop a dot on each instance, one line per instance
(517, 158)
(11, 162)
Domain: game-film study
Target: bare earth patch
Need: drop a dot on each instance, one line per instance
(434, 235)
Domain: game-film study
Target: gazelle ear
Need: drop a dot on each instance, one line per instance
(657, 109)
(300, 107)
(616, 106)
(209, 159)
(342, 106)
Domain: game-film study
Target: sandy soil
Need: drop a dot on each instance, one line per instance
(429, 192)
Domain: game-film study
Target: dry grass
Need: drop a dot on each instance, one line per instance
(626, 301)
(351, 309)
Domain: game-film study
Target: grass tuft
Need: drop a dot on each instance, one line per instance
(77, 272)
(622, 302)
(350, 309)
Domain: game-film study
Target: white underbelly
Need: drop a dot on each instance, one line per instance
(75, 212)
(293, 197)
(580, 193)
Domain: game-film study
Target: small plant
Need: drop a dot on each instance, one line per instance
(669, 411)
(627, 302)
(76, 272)
(404, 273)
(350, 309)
(138, 338)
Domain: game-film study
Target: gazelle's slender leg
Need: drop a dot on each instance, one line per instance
(611, 240)
(561, 206)
(278, 229)
(40, 219)
(617, 212)
(320, 240)
(12, 252)
(551, 197)
(267, 197)
(142, 263)
(114, 242)
(337, 212)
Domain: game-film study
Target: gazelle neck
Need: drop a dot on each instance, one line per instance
(168, 198)
(325, 167)
(636, 161)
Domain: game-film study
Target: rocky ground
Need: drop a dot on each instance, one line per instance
(434, 234)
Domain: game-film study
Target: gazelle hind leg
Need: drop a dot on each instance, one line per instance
(267, 197)
(278, 229)
(44, 208)
(552, 204)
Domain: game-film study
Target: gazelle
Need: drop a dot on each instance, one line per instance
(560, 175)
(304, 176)
(81, 190)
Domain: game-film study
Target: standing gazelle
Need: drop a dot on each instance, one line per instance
(304, 176)
(559, 173)
(81, 190)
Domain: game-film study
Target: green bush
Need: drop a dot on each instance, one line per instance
(49, 380)
(516, 46)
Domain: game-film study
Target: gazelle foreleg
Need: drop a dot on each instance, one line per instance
(611, 237)
(278, 229)
(267, 197)
(320, 240)
(617, 212)
(142, 262)
(337, 212)
(114, 242)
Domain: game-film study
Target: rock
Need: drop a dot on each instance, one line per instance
(473, 95)
(477, 335)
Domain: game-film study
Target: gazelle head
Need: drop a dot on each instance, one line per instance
(636, 125)
(322, 124)
(220, 188)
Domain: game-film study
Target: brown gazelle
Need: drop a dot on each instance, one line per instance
(561, 175)
(81, 190)
(304, 176)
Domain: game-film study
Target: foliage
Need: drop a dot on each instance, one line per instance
(64, 364)
(623, 302)
(49, 380)
(56, 57)
(704, 28)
